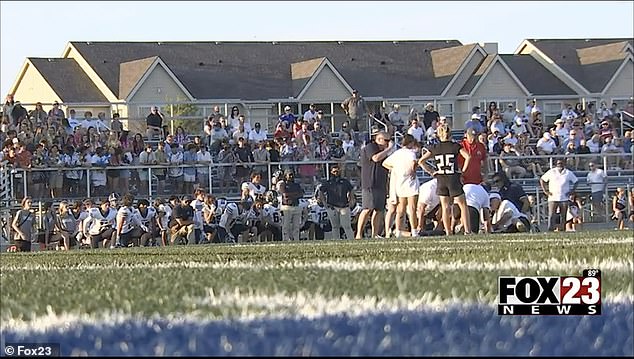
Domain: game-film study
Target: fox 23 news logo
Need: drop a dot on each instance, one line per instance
(551, 295)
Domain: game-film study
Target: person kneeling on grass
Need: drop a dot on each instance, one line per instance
(233, 222)
(182, 223)
(100, 224)
(506, 218)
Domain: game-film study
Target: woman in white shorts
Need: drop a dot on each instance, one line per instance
(402, 165)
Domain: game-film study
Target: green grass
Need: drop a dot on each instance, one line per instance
(32, 282)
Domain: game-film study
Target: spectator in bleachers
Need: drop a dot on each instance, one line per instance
(546, 145)
(557, 183)
(243, 155)
(474, 122)
(38, 115)
(536, 122)
(310, 115)
(190, 159)
(154, 123)
(416, 131)
(560, 129)
(609, 147)
(239, 132)
(180, 137)
(494, 143)
(396, 118)
(357, 110)
(510, 161)
(226, 157)
(218, 136)
(176, 159)
(492, 109)
(496, 124)
(19, 114)
(430, 115)
(257, 134)
(287, 119)
(161, 159)
(509, 115)
(261, 155)
(7, 109)
(203, 157)
(234, 117)
(56, 113)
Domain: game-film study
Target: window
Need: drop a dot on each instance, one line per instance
(550, 111)
(446, 109)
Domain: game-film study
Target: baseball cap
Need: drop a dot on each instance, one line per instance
(287, 108)
(430, 104)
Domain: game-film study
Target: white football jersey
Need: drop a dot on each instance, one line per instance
(198, 213)
(230, 216)
(254, 189)
(149, 216)
(427, 194)
(317, 214)
(129, 218)
(166, 209)
(272, 215)
(99, 222)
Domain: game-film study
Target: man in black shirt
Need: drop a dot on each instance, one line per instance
(292, 213)
(154, 123)
(512, 192)
(373, 183)
(430, 115)
(338, 196)
(182, 226)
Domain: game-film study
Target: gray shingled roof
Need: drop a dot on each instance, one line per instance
(535, 77)
(592, 68)
(68, 80)
(262, 70)
(477, 74)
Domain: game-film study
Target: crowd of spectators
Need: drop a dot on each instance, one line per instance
(40, 139)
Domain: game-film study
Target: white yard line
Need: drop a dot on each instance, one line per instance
(566, 267)
(253, 305)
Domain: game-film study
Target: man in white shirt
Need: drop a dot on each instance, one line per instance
(203, 157)
(559, 181)
(506, 218)
(546, 145)
(257, 135)
(479, 208)
(416, 131)
(429, 205)
(310, 115)
(597, 179)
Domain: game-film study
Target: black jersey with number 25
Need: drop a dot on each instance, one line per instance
(446, 155)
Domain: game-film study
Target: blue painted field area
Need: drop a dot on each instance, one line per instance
(458, 330)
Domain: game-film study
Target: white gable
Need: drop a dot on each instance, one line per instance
(498, 83)
(326, 87)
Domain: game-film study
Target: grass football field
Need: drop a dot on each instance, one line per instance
(427, 296)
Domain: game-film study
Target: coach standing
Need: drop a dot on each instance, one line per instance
(559, 181)
(338, 197)
(477, 167)
(373, 182)
(292, 214)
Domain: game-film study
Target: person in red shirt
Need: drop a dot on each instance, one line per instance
(477, 168)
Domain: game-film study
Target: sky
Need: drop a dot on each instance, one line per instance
(42, 29)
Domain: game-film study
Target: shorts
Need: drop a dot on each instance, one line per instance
(449, 186)
(373, 198)
(596, 197)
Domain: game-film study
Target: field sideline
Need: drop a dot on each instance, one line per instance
(428, 296)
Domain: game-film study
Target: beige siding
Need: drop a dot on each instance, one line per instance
(499, 84)
(463, 77)
(462, 113)
(623, 85)
(158, 87)
(326, 87)
(33, 88)
(74, 54)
